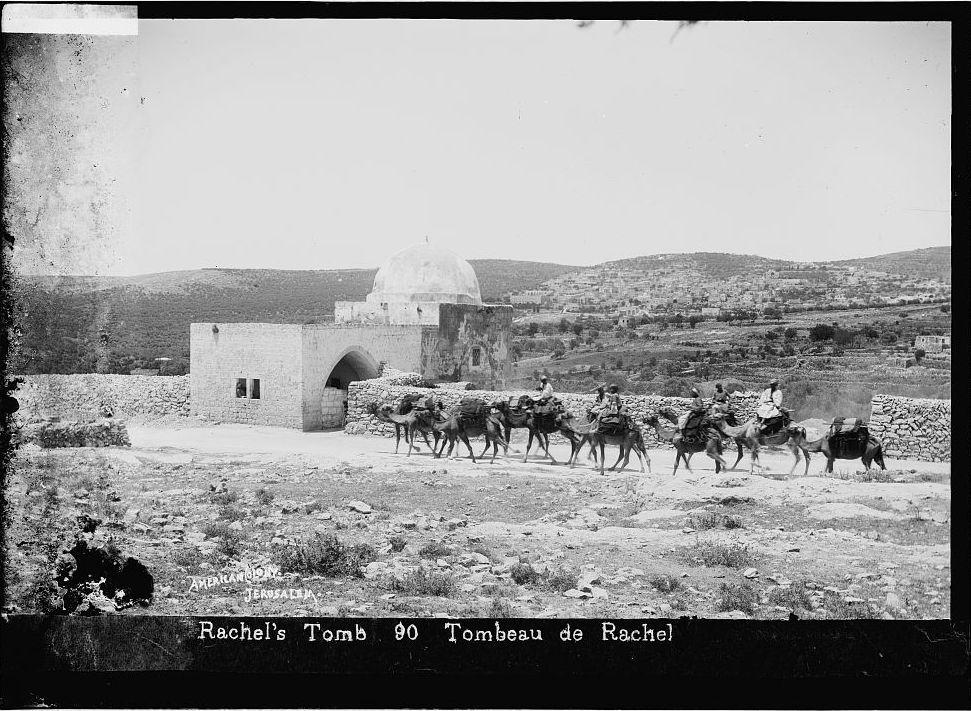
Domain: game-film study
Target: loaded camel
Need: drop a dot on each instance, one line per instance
(628, 439)
(407, 422)
(838, 446)
(748, 435)
(539, 427)
(708, 441)
(455, 426)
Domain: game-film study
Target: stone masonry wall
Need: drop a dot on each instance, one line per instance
(385, 392)
(912, 428)
(80, 397)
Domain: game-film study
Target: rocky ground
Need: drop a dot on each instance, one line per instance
(232, 519)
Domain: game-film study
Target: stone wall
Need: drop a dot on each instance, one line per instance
(81, 397)
(385, 392)
(912, 428)
(471, 344)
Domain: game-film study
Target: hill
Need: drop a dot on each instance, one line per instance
(147, 316)
(928, 263)
(714, 264)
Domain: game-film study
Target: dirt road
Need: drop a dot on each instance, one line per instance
(503, 539)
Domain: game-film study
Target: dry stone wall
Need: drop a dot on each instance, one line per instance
(912, 428)
(85, 396)
(387, 392)
(102, 433)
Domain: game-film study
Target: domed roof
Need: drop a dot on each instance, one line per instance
(424, 272)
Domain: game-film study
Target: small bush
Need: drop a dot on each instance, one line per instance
(523, 574)
(397, 543)
(264, 497)
(732, 522)
(483, 549)
(230, 545)
(435, 549)
(231, 512)
(324, 554)
(422, 582)
(499, 608)
(737, 597)
(709, 554)
(839, 609)
(795, 597)
(559, 580)
(224, 498)
(665, 583)
(709, 519)
(187, 557)
(312, 507)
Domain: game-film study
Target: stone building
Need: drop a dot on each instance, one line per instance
(424, 315)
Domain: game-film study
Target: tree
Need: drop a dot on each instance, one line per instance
(532, 329)
(694, 319)
(919, 354)
(790, 333)
(821, 332)
(577, 329)
(564, 325)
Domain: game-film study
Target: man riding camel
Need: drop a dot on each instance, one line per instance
(770, 404)
(599, 405)
(614, 406)
(545, 389)
(696, 407)
(719, 399)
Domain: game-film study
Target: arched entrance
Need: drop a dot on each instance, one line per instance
(354, 364)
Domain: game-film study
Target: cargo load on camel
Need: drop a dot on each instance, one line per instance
(473, 412)
(849, 428)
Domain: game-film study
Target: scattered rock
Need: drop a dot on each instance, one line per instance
(574, 593)
(360, 507)
(751, 573)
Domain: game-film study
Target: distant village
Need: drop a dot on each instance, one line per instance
(629, 293)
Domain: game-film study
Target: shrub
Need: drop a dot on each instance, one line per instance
(264, 497)
(422, 582)
(397, 543)
(435, 549)
(838, 608)
(232, 513)
(499, 608)
(709, 554)
(737, 597)
(559, 580)
(224, 497)
(795, 596)
(665, 583)
(324, 554)
(523, 574)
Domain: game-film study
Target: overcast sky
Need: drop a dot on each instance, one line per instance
(319, 144)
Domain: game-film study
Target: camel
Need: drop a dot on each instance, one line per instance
(838, 446)
(668, 435)
(686, 447)
(538, 427)
(748, 434)
(454, 427)
(630, 440)
(402, 423)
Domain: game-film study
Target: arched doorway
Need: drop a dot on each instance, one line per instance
(354, 364)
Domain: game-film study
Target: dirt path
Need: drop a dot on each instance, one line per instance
(457, 538)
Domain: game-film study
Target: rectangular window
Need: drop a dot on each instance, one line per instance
(476, 356)
(255, 388)
(240, 387)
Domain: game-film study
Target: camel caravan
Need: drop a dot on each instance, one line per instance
(711, 430)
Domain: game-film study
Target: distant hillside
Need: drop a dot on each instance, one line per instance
(715, 264)
(929, 263)
(147, 316)
(83, 324)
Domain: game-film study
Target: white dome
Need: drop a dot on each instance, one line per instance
(423, 273)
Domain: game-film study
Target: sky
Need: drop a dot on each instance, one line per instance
(324, 144)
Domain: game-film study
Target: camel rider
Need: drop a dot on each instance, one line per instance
(719, 399)
(599, 404)
(770, 402)
(545, 389)
(696, 406)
